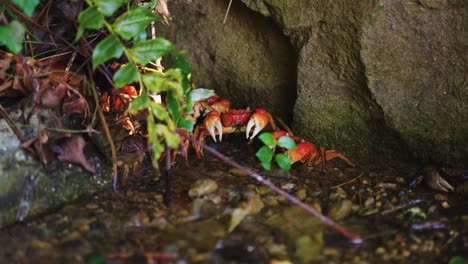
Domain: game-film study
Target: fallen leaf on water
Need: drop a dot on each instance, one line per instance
(236, 218)
(253, 206)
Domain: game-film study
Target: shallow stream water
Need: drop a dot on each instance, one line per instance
(230, 218)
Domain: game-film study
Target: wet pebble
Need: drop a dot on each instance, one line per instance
(440, 197)
(400, 179)
(277, 249)
(81, 224)
(369, 202)
(380, 251)
(270, 200)
(339, 193)
(40, 244)
(288, 186)
(340, 209)
(301, 194)
(92, 206)
(254, 205)
(330, 251)
(237, 172)
(202, 187)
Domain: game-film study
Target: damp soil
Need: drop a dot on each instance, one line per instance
(219, 215)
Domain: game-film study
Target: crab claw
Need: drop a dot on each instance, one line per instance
(212, 123)
(302, 152)
(434, 180)
(257, 122)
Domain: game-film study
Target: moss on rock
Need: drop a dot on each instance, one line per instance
(28, 191)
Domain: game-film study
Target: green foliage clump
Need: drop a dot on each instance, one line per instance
(265, 154)
(127, 37)
(125, 25)
(12, 33)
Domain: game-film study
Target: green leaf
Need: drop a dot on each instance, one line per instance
(200, 94)
(173, 83)
(153, 139)
(265, 155)
(108, 7)
(457, 260)
(141, 102)
(153, 81)
(171, 137)
(108, 48)
(286, 142)
(142, 36)
(173, 106)
(266, 165)
(186, 123)
(148, 50)
(181, 63)
(283, 161)
(133, 22)
(11, 35)
(27, 6)
(267, 139)
(149, 5)
(158, 149)
(160, 112)
(89, 18)
(126, 75)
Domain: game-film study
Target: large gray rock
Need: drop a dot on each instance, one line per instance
(246, 60)
(415, 55)
(375, 79)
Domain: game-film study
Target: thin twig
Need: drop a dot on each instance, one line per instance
(347, 182)
(227, 12)
(402, 206)
(105, 128)
(354, 238)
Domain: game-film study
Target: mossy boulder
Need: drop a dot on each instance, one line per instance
(415, 57)
(373, 79)
(27, 190)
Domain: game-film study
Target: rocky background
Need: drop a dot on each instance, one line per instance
(376, 80)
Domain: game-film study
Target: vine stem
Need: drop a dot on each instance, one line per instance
(355, 239)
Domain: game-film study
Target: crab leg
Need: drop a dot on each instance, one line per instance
(331, 154)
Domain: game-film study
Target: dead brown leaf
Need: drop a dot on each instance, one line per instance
(73, 152)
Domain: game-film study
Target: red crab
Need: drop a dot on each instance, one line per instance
(233, 120)
(307, 153)
(237, 120)
(118, 102)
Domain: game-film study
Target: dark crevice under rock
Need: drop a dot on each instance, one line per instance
(248, 60)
